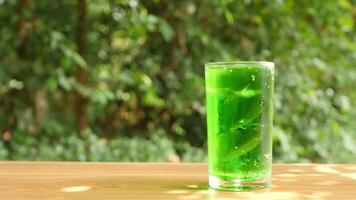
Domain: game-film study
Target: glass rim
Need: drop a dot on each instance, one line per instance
(240, 64)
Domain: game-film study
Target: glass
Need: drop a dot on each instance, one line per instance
(239, 99)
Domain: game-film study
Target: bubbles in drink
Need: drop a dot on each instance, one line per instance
(253, 77)
(242, 127)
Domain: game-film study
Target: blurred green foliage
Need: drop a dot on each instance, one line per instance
(142, 63)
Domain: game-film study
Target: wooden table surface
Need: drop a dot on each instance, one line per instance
(68, 180)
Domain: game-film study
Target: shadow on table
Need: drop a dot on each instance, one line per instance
(202, 191)
(306, 179)
(302, 182)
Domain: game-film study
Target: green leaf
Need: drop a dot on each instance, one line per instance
(166, 31)
(79, 59)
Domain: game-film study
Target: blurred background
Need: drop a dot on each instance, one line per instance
(123, 80)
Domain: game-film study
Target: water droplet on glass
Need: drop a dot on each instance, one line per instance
(253, 78)
(255, 163)
(266, 156)
(262, 103)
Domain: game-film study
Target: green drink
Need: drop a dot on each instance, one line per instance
(239, 98)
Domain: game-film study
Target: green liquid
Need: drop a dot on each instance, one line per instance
(239, 117)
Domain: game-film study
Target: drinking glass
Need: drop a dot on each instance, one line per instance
(239, 100)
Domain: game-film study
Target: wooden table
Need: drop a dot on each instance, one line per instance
(65, 180)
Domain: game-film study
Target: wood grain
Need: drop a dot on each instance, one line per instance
(67, 180)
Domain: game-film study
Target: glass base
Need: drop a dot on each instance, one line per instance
(237, 185)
